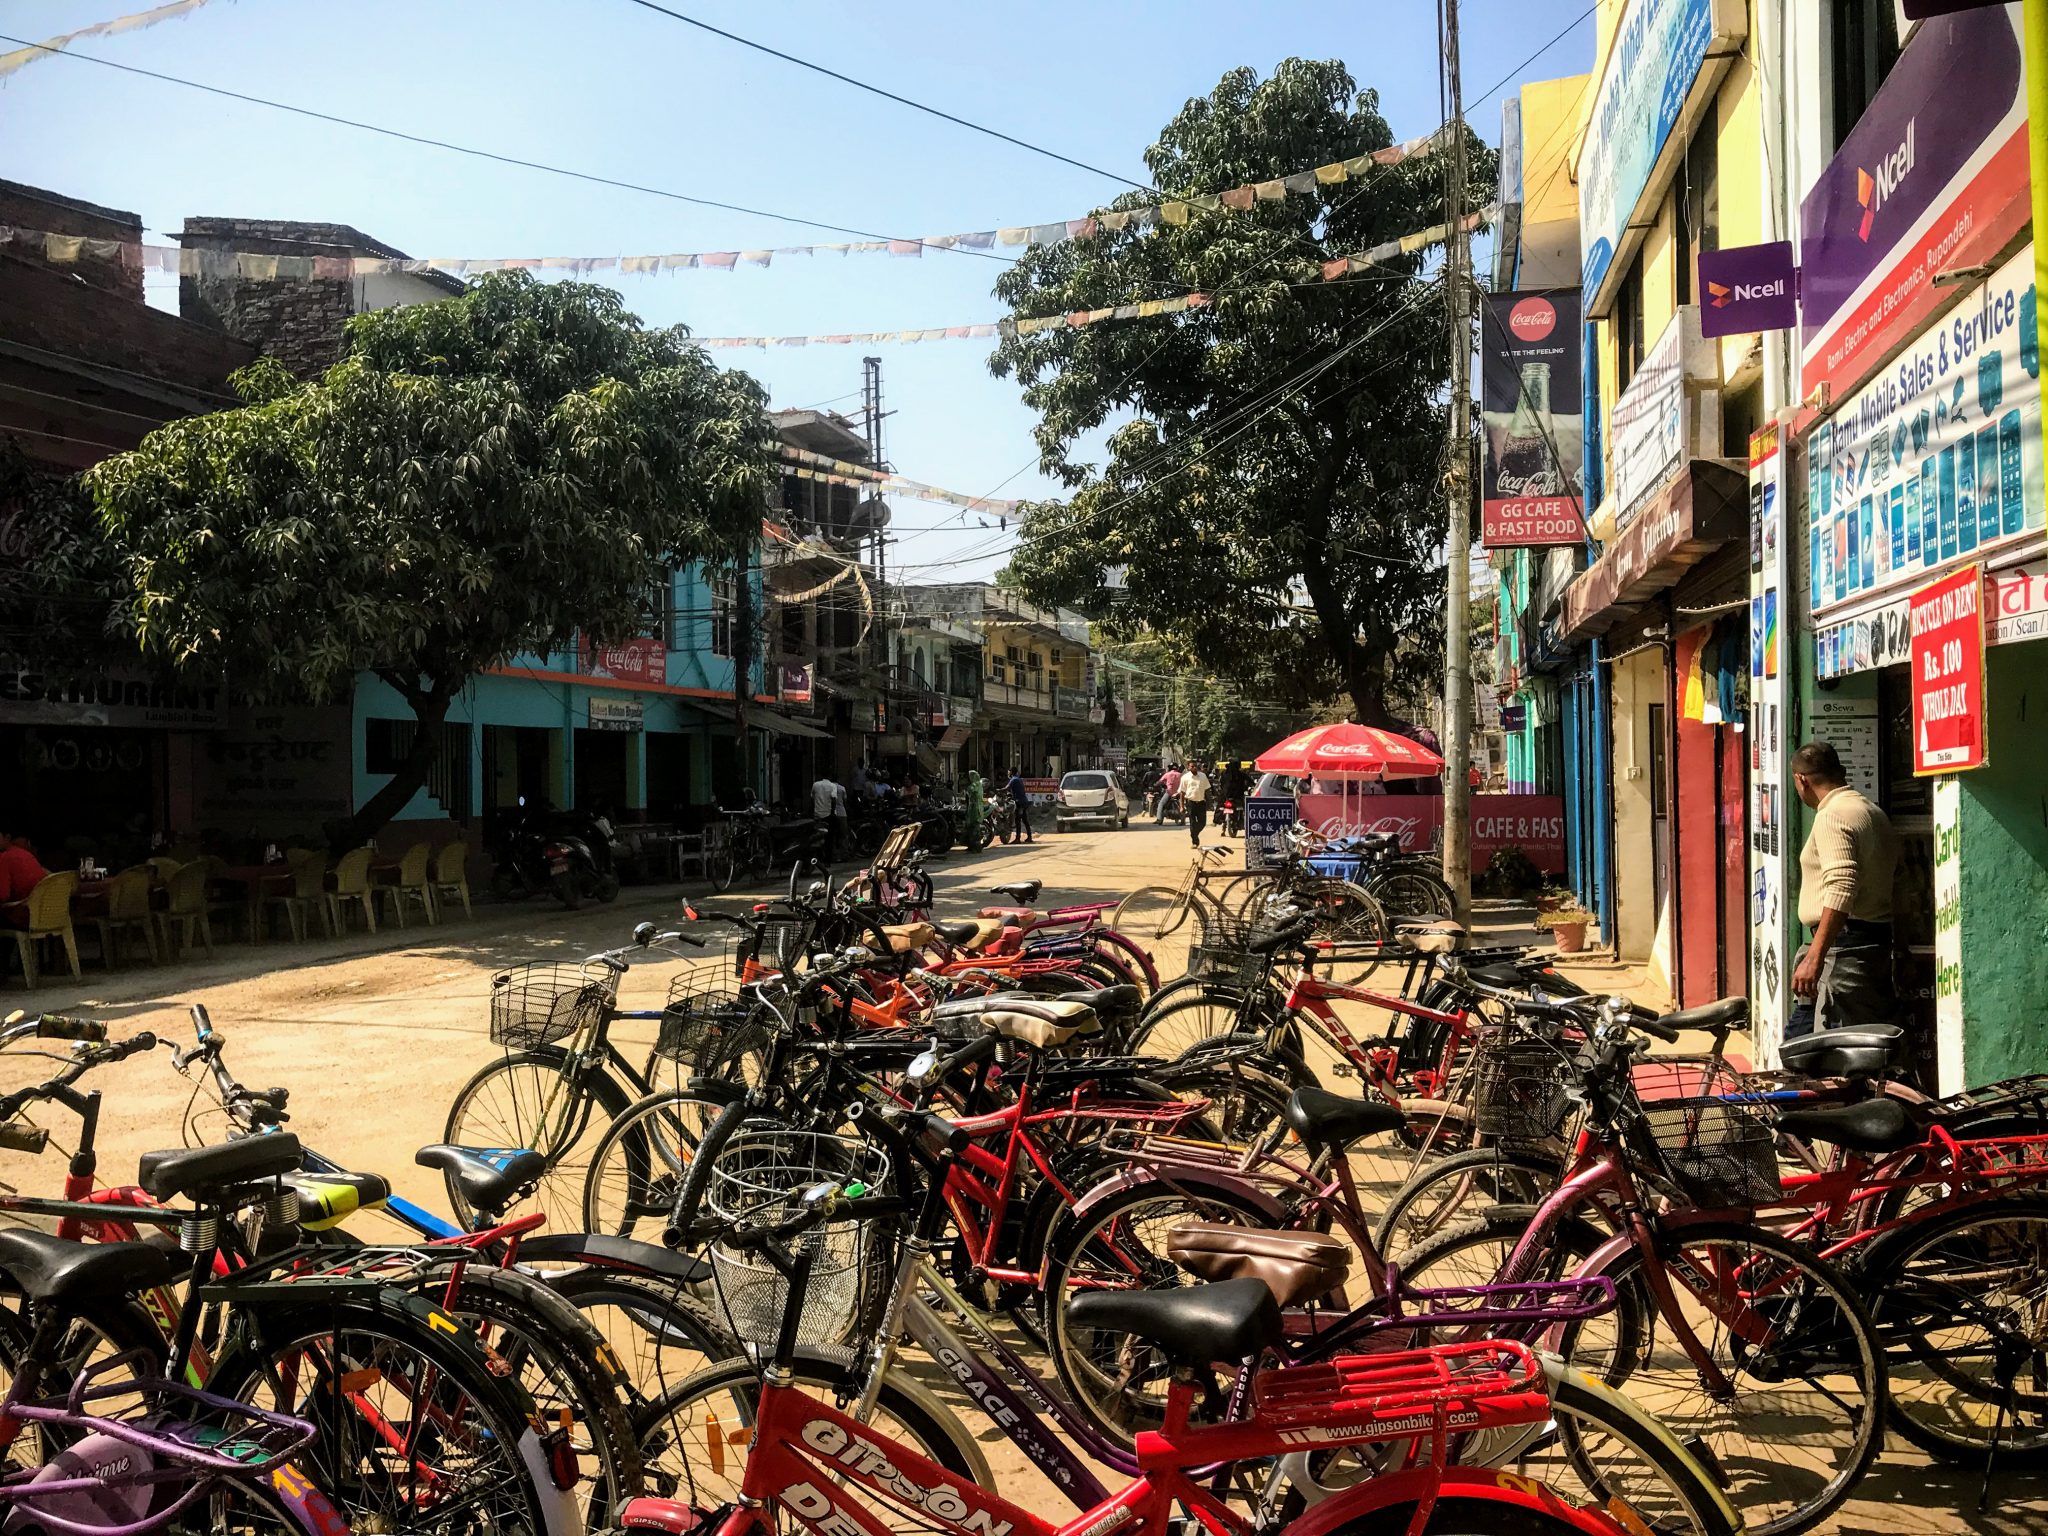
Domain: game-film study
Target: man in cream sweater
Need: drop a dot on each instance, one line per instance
(1843, 974)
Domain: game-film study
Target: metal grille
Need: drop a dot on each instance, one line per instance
(533, 1005)
(1519, 1091)
(763, 1174)
(1720, 1155)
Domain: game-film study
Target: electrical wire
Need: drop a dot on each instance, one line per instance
(888, 95)
(487, 154)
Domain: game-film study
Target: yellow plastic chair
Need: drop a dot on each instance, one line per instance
(412, 884)
(451, 875)
(234, 909)
(49, 917)
(165, 866)
(307, 896)
(185, 910)
(128, 912)
(350, 882)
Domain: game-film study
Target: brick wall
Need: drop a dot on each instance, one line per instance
(26, 207)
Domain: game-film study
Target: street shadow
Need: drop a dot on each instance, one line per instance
(1903, 1495)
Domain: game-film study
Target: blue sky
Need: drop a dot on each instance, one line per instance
(607, 87)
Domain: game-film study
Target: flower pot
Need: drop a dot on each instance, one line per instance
(1570, 937)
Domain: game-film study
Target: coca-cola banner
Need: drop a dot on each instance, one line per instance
(1533, 823)
(1535, 476)
(642, 660)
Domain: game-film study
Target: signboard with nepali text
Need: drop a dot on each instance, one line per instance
(1533, 823)
(1932, 179)
(1535, 472)
(1947, 622)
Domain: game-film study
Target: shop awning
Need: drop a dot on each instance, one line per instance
(955, 738)
(781, 725)
(1699, 511)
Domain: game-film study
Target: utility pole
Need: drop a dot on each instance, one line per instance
(1457, 737)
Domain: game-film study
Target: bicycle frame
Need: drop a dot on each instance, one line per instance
(1308, 994)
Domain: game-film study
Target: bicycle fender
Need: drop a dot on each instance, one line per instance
(603, 1251)
(312, 1509)
(717, 1089)
(1612, 1248)
(1647, 1426)
(1179, 1178)
(1461, 1484)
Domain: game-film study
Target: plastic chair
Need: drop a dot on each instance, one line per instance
(451, 875)
(233, 908)
(185, 908)
(412, 883)
(350, 881)
(307, 896)
(164, 866)
(128, 911)
(49, 917)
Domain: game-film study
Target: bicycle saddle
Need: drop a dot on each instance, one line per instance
(55, 1270)
(1194, 1325)
(1040, 1022)
(1334, 1120)
(1432, 936)
(490, 1178)
(1297, 1267)
(1844, 1052)
(1120, 1001)
(328, 1199)
(1023, 892)
(196, 1172)
(972, 932)
(1717, 1017)
(905, 938)
(1874, 1125)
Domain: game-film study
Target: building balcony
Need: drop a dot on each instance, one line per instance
(1017, 696)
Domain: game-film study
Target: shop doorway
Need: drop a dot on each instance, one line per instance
(519, 764)
(603, 767)
(1660, 813)
(670, 770)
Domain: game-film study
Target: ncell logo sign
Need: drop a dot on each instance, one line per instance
(1532, 319)
(1873, 191)
(1748, 288)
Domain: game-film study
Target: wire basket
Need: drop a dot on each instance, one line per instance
(763, 1173)
(534, 1005)
(699, 1021)
(1719, 1155)
(781, 942)
(1519, 1090)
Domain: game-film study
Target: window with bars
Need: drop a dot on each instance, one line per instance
(723, 594)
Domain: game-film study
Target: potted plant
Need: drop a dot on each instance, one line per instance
(1566, 924)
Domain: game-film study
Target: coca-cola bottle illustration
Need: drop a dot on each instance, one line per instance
(1527, 467)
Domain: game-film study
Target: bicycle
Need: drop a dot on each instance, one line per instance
(745, 849)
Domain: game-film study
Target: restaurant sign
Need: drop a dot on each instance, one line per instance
(612, 712)
(1932, 179)
(113, 697)
(1939, 458)
(1534, 473)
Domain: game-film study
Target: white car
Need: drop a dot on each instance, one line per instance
(1090, 794)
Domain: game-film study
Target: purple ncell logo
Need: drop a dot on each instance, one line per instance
(1748, 288)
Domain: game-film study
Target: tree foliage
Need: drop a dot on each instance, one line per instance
(62, 588)
(476, 478)
(1276, 501)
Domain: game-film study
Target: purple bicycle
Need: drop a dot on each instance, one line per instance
(116, 1448)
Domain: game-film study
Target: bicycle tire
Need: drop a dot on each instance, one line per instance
(1937, 1292)
(1153, 912)
(494, 1417)
(633, 1177)
(1491, 1176)
(657, 1327)
(565, 1365)
(1849, 1337)
(1410, 893)
(517, 1123)
(1456, 1513)
(697, 1464)
(723, 865)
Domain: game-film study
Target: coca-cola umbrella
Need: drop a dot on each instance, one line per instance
(1350, 751)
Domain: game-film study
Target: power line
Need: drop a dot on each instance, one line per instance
(487, 154)
(887, 95)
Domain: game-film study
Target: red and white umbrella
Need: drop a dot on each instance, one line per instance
(1351, 751)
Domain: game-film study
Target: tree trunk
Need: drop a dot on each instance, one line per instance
(430, 711)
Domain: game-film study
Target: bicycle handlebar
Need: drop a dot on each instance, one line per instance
(818, 1205)
(57, 1026)
(87, 1055)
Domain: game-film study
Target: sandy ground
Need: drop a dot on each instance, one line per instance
(374, 1035)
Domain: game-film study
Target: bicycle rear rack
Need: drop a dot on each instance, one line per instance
(1434, 1391)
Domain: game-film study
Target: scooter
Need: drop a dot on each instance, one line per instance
(570, 854)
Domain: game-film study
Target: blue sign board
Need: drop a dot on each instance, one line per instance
(1266, 819)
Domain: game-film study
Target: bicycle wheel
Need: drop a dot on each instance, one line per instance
(1410, 893)
(638, 1166)
(1337, 909)
(661, 1334)
(722, 864)
(415, 1433)
(1961, 1300)
(529, 1099)
(1457, 1513)
(698, 1434)
(566, 1367)
(1152, 912)
(1452, 1190)
(1803, 1413)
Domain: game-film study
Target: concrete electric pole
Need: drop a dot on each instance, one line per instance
(1457, 737)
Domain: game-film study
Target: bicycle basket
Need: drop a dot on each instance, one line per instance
(780, 942)
(763, 1173)
(1718, 1154)
(698, 1020)
(1519, 1092)
(533, 1005)
(1237, 968)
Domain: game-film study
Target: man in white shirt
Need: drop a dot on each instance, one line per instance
(828, 805)
(1194, 794)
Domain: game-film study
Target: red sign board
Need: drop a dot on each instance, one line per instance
(1531, 523)
(643, 660)
(1533, 823)
(1946, 621)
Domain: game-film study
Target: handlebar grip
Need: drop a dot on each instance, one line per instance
(202, 1022)
(23, 1138)
(134, 1045)
(973, 1052)
(945, 1133)
(55, 1026)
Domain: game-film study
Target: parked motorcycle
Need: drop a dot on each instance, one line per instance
(572, 855)
(1233, 818)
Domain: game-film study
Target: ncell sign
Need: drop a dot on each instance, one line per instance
(1748, 288)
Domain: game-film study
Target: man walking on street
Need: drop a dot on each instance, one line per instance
(1194, 794)
(1169, 786)
(1843, 974)
(828, 806)
(1020, 802)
